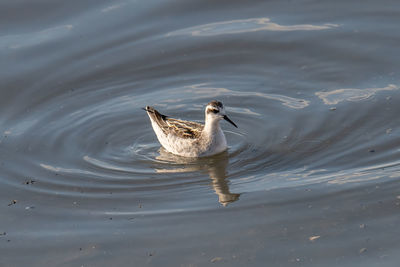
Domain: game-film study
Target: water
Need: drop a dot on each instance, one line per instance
(311, 176)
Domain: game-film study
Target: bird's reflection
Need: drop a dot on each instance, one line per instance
(215, 166)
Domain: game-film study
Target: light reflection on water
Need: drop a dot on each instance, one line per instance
(214, 92)
(35, 38)
(246, 25)
(339, 95)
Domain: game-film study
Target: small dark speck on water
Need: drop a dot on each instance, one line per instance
(372, 150)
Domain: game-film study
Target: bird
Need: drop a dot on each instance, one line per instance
(189, 138)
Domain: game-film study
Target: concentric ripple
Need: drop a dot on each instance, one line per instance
(311, 175)
(108, 146)
(86, 135)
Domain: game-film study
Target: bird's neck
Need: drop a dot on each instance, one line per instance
(211, 127)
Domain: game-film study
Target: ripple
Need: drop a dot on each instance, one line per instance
(78, 156)
(296, 103)
(35, 38)
(108, 146)
(91, 138)
(112, 8)
(339, 95)
(245, 26)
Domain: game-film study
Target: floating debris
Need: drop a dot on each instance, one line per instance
(216, 259)
(313, 238)
(363, 250)
(13, 202)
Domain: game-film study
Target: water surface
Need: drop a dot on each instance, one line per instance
(311, 176)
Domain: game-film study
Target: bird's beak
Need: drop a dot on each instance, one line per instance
(229, 120)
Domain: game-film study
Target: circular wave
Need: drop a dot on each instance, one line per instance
(108, 146)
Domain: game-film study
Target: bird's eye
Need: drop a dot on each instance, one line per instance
(214, 111)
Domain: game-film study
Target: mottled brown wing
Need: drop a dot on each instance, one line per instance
(157, 117)
(184, 129)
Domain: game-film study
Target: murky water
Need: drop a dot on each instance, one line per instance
(311, 176)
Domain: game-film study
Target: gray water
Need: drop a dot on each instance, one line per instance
(311, 176)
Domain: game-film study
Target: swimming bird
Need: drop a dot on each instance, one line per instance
(188, 138)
